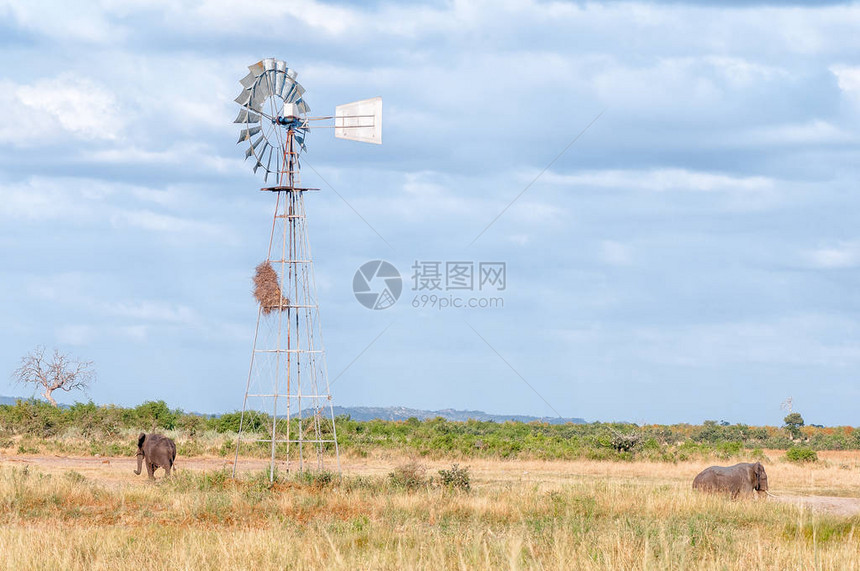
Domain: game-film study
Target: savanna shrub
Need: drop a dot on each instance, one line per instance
(801, 454)
(409, 475)
(456, 478)
(625, 441)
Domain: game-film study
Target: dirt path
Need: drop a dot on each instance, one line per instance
(833, 505)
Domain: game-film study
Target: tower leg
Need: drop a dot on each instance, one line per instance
(287, 413)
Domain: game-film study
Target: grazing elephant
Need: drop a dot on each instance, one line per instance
(737, 479)
(158, 451)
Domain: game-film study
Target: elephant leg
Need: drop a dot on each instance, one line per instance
(150, 469)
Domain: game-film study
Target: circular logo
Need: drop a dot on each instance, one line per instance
(377, 284)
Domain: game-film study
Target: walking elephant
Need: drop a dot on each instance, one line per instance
(739, 479)
(157, 451)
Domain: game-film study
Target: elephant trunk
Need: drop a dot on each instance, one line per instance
(139, 463)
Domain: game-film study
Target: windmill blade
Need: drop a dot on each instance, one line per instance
(268, 166)
(271, 77)
(260, 93)
(294, 92)
(246, 116)
(269, 63)
(243, 98)
(280, 79)
(304, 109)
(359, 121)
(269, 159)
(248, 133)
(248, 80)
(252, 148)
(300, 91)
(262, 150)
(288, 90)
(257, 69)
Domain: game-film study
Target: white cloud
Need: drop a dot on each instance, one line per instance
(675, 86)
(77, 21)
(742, 72)
(660, 180)
(425, 194)
(41, 198)
(75, 334)
(166, 223)
(519, 239)
(845, 255)
(97, 202)
(805, 339)
(49, 111)
(151, 311)
(812, 132)
(134, 332)
(848, 78)
(615, 253)
(226, 15)
(533, 212)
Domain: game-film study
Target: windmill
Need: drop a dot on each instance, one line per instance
(287, 409)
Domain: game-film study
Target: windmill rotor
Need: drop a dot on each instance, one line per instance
(271, 106)
(274, 118)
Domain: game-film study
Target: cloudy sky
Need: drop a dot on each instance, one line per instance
(693, 254)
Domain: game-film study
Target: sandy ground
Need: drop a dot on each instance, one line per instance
(823, 504)
(544, 474)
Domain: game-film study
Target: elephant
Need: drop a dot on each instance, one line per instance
(738, 479)
(158, 451)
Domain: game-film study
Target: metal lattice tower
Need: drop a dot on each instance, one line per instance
(287, 409)
(287, 406)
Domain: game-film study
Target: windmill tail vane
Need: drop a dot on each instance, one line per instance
(287, 408)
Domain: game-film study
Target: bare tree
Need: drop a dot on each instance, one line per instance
(61, 372)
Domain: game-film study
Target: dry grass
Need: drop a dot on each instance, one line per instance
(551, 515)
(267, 290)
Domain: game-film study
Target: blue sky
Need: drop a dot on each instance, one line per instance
(693, 255)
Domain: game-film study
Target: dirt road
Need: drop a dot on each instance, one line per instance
(823, 504)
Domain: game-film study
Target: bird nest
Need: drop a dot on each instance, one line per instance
(267, 290)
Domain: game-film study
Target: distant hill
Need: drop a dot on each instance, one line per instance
(402, 413)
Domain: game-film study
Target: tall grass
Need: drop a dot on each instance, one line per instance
(587, 515)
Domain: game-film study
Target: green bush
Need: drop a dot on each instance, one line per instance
(156, 414)
(625, 441)
(801, 454)
(726, 450)
(456, 478)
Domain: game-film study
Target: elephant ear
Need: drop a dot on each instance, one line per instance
(140, 439)
(758, 469)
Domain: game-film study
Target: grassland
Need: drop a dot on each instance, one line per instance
(65, 512)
